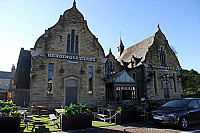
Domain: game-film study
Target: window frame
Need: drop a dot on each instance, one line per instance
(175, 83)
(72, 42)
(52, 86)
(92, 82)
(155, 81)
(162, 56)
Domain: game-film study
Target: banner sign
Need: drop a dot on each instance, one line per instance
(80, 58)
(165, 67)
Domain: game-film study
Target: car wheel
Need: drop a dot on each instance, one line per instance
(183, 123)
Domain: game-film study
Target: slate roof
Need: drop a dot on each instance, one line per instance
(22, 75)
(137, 51)
(5, 75)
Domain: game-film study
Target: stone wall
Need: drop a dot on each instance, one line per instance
(75, 67)
(171, 69)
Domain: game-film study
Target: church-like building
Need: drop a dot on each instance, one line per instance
(68, 65)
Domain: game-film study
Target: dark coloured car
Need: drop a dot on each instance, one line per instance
(181, 113)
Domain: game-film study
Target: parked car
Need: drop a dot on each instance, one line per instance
(180, 113)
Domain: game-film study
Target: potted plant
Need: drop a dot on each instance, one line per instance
(129, 113)
(9, 117)
(76, 117)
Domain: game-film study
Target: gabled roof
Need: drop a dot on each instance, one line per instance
(121, 77)
(139, 50)
(5, 75)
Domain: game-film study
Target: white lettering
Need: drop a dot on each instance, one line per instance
(71, 57)
(162, 67)
(60, 56)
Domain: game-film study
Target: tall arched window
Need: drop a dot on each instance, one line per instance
(72, 42)
(162, 52)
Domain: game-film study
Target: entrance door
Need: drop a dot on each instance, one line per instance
(166, 86)
(71, 92)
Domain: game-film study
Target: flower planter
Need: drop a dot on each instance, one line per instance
(9, 124)
(77, 121)
(128, 116)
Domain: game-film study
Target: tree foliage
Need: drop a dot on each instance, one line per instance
(191, 81)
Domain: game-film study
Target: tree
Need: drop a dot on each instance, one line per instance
(191, 81)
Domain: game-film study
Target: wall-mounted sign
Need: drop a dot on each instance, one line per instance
(71, 57)
(164, 67)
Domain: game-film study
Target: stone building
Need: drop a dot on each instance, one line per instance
(154, 66)
(6, 84)
(68, 65)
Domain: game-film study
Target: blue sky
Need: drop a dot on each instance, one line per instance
(22, 22)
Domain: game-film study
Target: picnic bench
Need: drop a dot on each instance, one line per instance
(53, 118)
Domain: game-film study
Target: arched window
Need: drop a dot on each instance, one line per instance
(110, 68)
(72, 42)
(162, 57)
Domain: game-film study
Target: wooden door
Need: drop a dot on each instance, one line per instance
(71, 92)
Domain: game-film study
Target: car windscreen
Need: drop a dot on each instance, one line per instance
(176, 104)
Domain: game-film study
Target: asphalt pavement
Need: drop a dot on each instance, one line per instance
(141, 127)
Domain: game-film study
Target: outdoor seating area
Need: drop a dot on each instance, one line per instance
(32, 120)
(48, 126)
(40, 118)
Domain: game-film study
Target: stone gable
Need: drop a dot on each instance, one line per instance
(51, 48)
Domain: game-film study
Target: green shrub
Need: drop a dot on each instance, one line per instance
(73, 109)
(8, 108)
(132, 106)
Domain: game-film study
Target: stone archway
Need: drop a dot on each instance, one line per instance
(71, 92)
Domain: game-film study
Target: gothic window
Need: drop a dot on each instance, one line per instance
(72, 42)
(110, 68)
(174, 79)
(50, 78)
(155, 81)
(162, 56)
(90, 79)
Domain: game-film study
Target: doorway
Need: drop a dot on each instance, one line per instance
(166, 86)
(71, 92)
